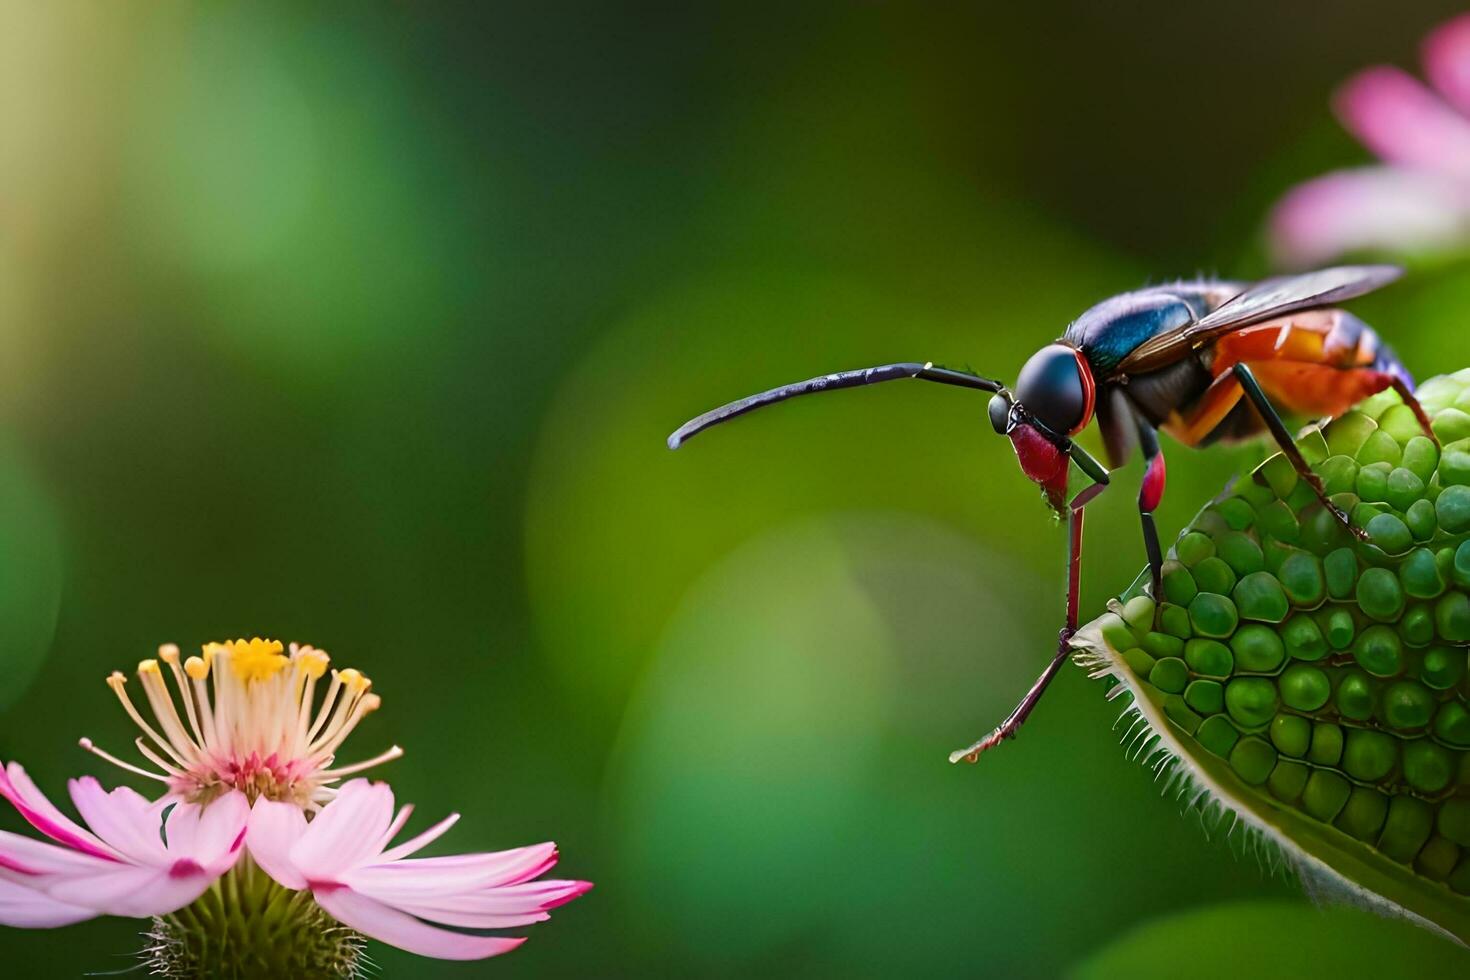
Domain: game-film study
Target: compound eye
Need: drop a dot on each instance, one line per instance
(1000, 413)
(1054, 389)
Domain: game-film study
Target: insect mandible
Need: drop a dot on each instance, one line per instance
(1204, 361)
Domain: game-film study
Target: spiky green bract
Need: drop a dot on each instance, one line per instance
(247, 927)
(1323, 698)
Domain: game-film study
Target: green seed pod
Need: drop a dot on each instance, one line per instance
(1451, 425)
(1400, 422)
(1379, 449)
(1369, 755)
(1159, 645)
(1364, 813)
(1379, 651)
(1292, 735)
(1417, 626)
(1321, 531)
(1421, 457)
(1339, 474)
(1258, 596)
(1218, 735)
(1278, 474)
(1372, 482)
(1404, 488)
(1454, 821)
(1326, 748)
(1303, 639)
(1347, 433)
(1240, 551)
(1437, 859)
(1340, 629)
(1138, 613)
(1407, 704)
(1302, 579)
(1452, 509)
(1428, 767)
(1325, 795)
(1251, 701)
(1213, 615)
(1179, 587)
(1355, 696)
(1253, 759)
(1305, 688)
(1341, 568)
(1237, 511)
(1419, 575)
(1379, 594)
(1461, 565)
(1332, 685)
(1206, 697)
(1452, 617)
(1175, 621)
(1194, 548)
(1421, 520)
(1209, 657)
(1140, 661)
(1454, 469)
(1169, 675)
(1406, 829)
(1389, 534)
(1442, 667)
(1213, 574)
(1279, 521)
(1287, 780)
(1180, 713)
(1115, 631)
(1452, 724)
(1258, 649)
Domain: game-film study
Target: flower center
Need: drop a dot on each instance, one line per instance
(250, 721)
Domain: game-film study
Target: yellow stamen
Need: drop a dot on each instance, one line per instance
(197, 668)
(257, 659)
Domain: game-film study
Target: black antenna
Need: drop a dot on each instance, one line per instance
(831, 382)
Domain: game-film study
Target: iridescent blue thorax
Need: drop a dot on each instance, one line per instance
(1110, 331)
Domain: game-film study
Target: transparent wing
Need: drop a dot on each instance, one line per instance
(1263, 301)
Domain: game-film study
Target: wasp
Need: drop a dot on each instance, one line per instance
(1204, 361)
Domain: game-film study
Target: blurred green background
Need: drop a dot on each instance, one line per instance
(365, 328)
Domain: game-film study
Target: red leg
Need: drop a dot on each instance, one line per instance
(1407, 394)
(1007, 729)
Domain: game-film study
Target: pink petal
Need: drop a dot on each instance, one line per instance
(274, 829)
(1373, 208)
(33, 857)
(454, 873)
(26, 908)
(346, 832)
(399, 929)
(1403, 122)
(420, 841)
(1447, 60)
(497, 908)
(42, 814)
(136, 892)
(122, 818)
(209, 835)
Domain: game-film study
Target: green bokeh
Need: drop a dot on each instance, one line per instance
(365, 328)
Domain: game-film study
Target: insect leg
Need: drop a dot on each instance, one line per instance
(1007, 729)
(1150, 493)
(1279, 432)
(1407, 394)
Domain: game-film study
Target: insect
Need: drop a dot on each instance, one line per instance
(1203, 361)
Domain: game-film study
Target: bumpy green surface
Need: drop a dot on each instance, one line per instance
(1318, 681)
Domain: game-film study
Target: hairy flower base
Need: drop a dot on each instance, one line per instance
(247, 926)
(1310, 689)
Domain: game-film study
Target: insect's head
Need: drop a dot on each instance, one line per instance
(1053, 401)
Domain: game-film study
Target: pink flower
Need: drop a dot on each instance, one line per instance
(133, 861)
(1419, 197)
(343, 857)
